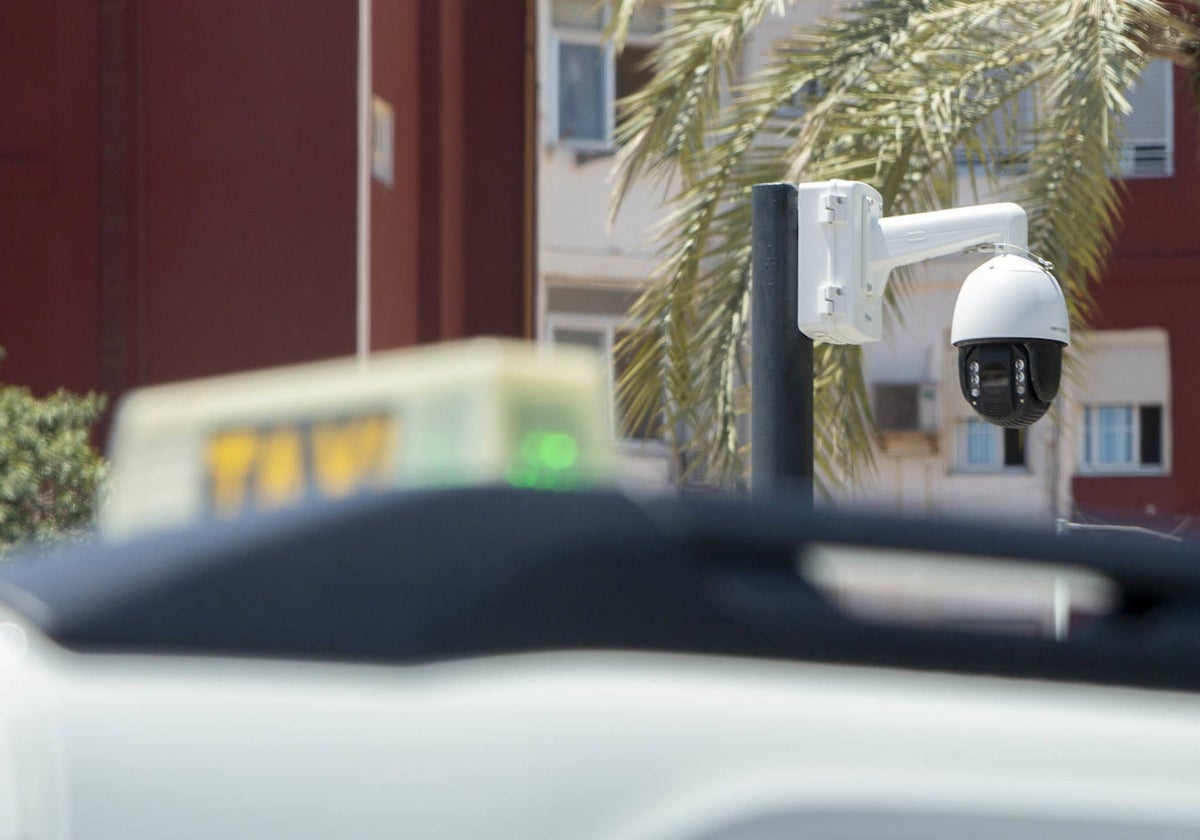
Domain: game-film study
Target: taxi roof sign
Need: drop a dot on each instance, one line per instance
(478, 412)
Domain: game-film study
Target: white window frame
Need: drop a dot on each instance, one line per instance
(559, 35)
(1089, 440)
(607, 327)
(962, 431)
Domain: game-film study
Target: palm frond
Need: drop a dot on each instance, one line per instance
(907, 95)
(667, 123)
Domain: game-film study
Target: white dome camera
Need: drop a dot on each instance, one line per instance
(1010, 323)
(1010, 326)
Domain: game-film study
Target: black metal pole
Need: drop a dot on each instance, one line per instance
(781, 357)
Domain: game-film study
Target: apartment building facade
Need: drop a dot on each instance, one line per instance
(1106, 452)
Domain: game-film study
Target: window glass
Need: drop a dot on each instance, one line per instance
(1151, 427)
(589, 77)
(623, 348)
(982, 443)
(631, 348)
(633, 69)
(1014, 447)
(984, 446)
(1114, 434)
(1123, 436)
(581, 101)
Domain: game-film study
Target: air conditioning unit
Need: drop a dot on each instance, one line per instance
(905, 406)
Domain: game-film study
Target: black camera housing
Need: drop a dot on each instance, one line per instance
(1010, 382)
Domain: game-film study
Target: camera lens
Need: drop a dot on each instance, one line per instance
(995, 378)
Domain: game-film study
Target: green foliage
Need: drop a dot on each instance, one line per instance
(50, 474)
(889, 93)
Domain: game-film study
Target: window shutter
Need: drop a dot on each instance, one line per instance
(1125, 367)
(1148, 128)
(647, 19)
(581, 14)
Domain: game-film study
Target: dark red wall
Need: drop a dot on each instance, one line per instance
(497, 206)
(48, 193)
(396, 216)
(1154, 281)
(452, 241)
(178, 183)
(248, 169)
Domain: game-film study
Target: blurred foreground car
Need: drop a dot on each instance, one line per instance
(498, 662)
(390, 597)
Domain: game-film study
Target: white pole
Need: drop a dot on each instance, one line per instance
(363, 250)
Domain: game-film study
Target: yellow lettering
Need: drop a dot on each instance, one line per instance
(350, 454)
(334, 459)
(230, 457)
(376, 449)
(280, 472)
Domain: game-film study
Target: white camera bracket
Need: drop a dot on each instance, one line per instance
(847, 249)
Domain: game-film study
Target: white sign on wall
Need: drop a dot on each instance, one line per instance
(383, 141)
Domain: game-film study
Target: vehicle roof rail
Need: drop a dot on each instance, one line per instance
(420, 576)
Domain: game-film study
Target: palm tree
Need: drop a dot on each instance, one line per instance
(893, 93)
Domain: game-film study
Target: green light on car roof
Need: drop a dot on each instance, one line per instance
(558, 450)
(552, 450)
(548, 461)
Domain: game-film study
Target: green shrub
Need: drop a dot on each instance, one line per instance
(50, 475)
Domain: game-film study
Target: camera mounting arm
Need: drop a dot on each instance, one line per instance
(847, 250)
(824, 251)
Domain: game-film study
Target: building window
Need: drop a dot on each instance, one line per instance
(582, 112)
(1148, 149)
(1119, 438)
(1010, 131)
(1150, 127)
(810, 93)
(621, 346)
(589, 77)
(986, 447)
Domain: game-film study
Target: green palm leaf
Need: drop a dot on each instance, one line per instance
(893, 93)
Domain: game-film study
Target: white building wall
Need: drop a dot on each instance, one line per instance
(574, 234)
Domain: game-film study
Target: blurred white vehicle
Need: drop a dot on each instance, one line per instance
(494, 662)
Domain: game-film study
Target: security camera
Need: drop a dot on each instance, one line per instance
(1010, 326)
(1010, 323)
